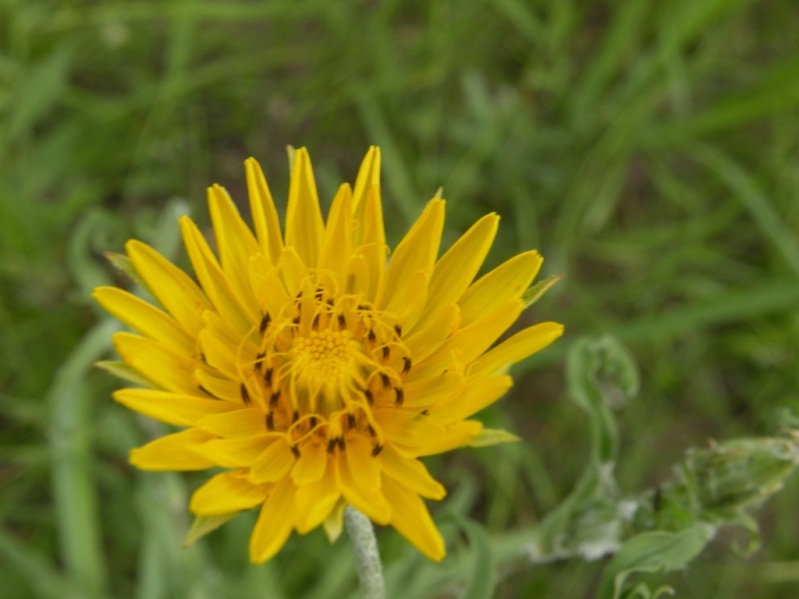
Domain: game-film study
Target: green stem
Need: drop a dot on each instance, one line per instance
(367, 557)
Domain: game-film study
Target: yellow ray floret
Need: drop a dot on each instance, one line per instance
(315, 367)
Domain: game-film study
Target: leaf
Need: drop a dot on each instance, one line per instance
(653, 551)
(124, 265)
(123, 371)
(537, 291)
(203, 525)
(483, 580)
(493, 436)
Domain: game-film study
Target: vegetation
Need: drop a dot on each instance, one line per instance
(649, 150)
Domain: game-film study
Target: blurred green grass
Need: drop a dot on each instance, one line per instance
(650, 151)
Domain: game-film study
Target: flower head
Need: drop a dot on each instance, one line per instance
(315, 368)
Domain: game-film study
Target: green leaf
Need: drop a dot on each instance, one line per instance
(653, 551)
(483, 580)
(123, 371)
(203, 525)
(537, 291)
(493, 436)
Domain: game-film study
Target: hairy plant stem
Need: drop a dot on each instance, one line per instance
(367, 557)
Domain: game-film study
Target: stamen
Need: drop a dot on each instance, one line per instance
(385, 352)
(398, 330)
(399, 396)
(385, 380)
(351, 420)
(245, 395)
(270, 421)
(295, 450)
(265, 320)
(369, 397)
(342, 322)
(376, 450)
(273, 399)
(207, 392)
(268, 376)
(406, 365)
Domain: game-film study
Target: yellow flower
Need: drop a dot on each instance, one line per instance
(315, 368)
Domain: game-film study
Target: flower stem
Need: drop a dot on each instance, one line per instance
(367, 557)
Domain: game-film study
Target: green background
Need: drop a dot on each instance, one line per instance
(649, 149)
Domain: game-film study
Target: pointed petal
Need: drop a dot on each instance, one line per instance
(315, 501)
(311, 465)
(410, 473)
(471, 341)
(370, 501)
(458, 266)
(145, 318)
(478, 393)
(264, 214)
(235, 242)
(274, 463)
(507, 281)
(214, 281)
(177, 451)
(416, 252)
(410, 517)
(368, 178)
(361, 462)
(244, 422)
(407, 427)
(173, 288)
(274, 523)
(157, 363)
(225, 493)
(519, 346)
(304, 227)
(172, 408)
(234, 453)
(337, 240)
(456, 435)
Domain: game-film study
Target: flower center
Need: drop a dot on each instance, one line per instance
(324, 363)
(325, 368)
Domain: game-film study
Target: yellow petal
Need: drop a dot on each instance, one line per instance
(423, 393)
(214, 281)
(264, 214)
(470, 341)
(304, 227)
(427, 339)
(507, 281)
(417, 252)
(361, 462)
(244, 422)
(274, 463)
(235, 242)
(177, 451)
(173, 288)
(314, 502)
(479, 392)
(157, 363)
(407, 427)
(146, 319)
(337, 240)
(410, 517)
(368, 178)
(456, 435)
(410, 473)
(373, 243)
(225, 493)
(519, 346)
(370, 501)
(311, 465)
(172, 408)
(274, 523)
(234, 453)
(458, 266)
